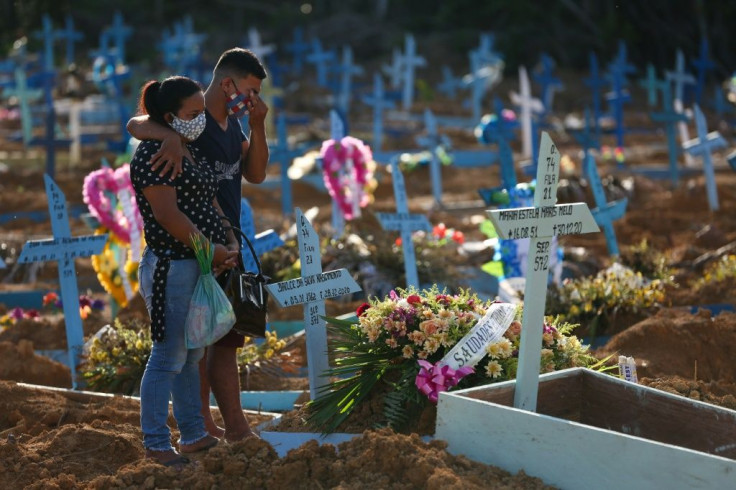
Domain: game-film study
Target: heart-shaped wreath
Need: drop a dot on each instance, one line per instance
(347, 167)
(99, 186)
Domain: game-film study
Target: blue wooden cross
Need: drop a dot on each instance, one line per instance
(596, 84)
(71, 36)
(284, 155)
(110, 77)
(431, 141)
(64, 248)
(119, 32)
(703, 65)
(586, 139)
(670, 117)
(652, 85)
(48, 35)
(379, 103)
(321, 60)
(616, 98)
(621, 63)
(338, 130)
(393, 71)
(477, 81)
(449, 84)
(347, 70)
(409, 61)
(405, 223)
(262, 242)
(485, 53)
(501, 132)
(605, 213)
(256, 46)
(25, 97)
(548, 83)
(680, 77)
(702, 146)
(298, 48)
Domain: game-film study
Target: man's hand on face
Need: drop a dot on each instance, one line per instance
(257, 109)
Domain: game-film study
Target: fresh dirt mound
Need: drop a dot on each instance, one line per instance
(49, 332)
(378, 459)
(676, 342)
(713, 392)
(19, 362)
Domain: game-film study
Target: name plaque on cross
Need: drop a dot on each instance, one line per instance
(540, 223)
(311, 290)
(64, 248)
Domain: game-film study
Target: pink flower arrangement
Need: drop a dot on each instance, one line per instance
(349, 184)
(98, 188)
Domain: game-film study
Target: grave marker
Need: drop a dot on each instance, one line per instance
(547, 81)
(321, 60)
(262, 242)
(347, 70)
(64, 248)
(311, 290)
(621, 63)
(25, 97)
(484, 52)
(379, 103)
(616, 98)
(71, 36)
(680, 77)
(702, 146)
(586, 139)
(669, 117)
(477, 81)
(337, 133)
(409, 61)
(298, 48)
(652, 85)
(703, 65)
(605, 212)
(284, 155)
(430, 141)
(528, 105)
(449, 84)
(405, 223)
(540, 223)
(255, 45)
(47, 35)
(501, 131)
(393, 71)
(119, 32)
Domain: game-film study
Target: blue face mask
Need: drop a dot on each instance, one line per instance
(237, 103)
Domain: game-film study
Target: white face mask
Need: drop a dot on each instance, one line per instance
(190, 130)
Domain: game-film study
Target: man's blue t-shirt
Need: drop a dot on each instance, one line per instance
(222, 151)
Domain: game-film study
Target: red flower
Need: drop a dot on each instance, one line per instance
(362, 308)
(414, 299)
(458, 237)
(398, 242)
(439, 230)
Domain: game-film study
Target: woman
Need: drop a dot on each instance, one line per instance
(173, 211)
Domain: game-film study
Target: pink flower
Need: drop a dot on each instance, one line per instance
(16, 313)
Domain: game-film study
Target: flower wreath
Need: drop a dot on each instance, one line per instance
(97, 187)
(107, 267)
(350, 185)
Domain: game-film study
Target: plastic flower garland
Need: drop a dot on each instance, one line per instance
(123, 220)
(348, 167)
(120, 282)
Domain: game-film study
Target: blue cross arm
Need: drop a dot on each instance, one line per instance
(713, 141)
(61, 248)
(399, 221)
(611, 211)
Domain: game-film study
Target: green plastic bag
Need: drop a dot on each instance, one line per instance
(210, 314)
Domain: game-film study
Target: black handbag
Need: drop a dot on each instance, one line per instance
(247, 293)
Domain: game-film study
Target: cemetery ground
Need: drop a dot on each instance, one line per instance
(53, 440)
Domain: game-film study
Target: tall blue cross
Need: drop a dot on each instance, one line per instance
(605, 213)
(617, 97)
(430, 141)
(409, 62)
(476, 80)
(405, 223)
(484, 51)
(64, 248)
(321, 60)
(449, 84)
(680, 77)
(119, 33)
(298, 48)
(262, 242)
(347, 70)
(621, 63)
(548, 83)
(71, 36)
(596, 85)
(379, 103)
(670, 117)
(702, 65)
(48, 35)
(111, 76)
(585, 137)
(702, 146)
(25, 96)
(283, 154)
(652, 85)
(500, 131)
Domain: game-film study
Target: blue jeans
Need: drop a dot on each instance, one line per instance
(172, 371)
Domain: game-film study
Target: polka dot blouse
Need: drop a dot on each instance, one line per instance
(195, 190)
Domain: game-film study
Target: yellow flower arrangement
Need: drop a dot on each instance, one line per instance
(107, 268)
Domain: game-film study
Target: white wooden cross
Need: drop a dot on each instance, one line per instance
(64, 248)
(540, 223)
(528, 105)
(255, 45)
(311, 290)
(404, 222)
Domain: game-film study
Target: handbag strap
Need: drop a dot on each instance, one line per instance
(247, 241)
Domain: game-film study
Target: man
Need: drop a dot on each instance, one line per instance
(232, 93)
